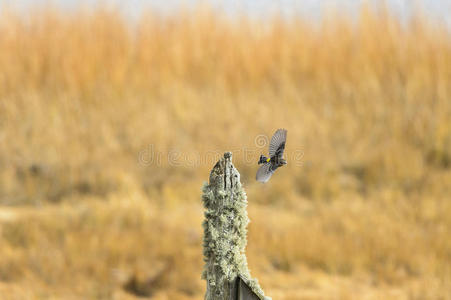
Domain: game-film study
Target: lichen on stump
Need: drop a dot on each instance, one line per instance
(225, 230)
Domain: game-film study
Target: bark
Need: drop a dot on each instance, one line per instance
(225, 231)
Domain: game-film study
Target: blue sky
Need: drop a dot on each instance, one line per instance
(439, 9)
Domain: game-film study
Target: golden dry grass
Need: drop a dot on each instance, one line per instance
(364, 214)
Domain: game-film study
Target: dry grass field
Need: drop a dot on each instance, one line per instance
(107, 131)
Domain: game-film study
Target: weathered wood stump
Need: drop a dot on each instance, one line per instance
(225, 230)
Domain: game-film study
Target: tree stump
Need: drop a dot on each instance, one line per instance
(225, 231)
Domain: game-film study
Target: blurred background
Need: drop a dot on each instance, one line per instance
(112, 115)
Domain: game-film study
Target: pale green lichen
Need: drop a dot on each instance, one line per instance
(225, 231)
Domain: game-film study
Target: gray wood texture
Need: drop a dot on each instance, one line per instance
(243, 292)
(225, 236)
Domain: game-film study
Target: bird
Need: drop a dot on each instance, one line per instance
(275, 159)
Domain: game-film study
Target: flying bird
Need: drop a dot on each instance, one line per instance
(275, 159)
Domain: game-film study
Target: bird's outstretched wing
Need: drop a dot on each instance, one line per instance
(277, 144)
(265, 172)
